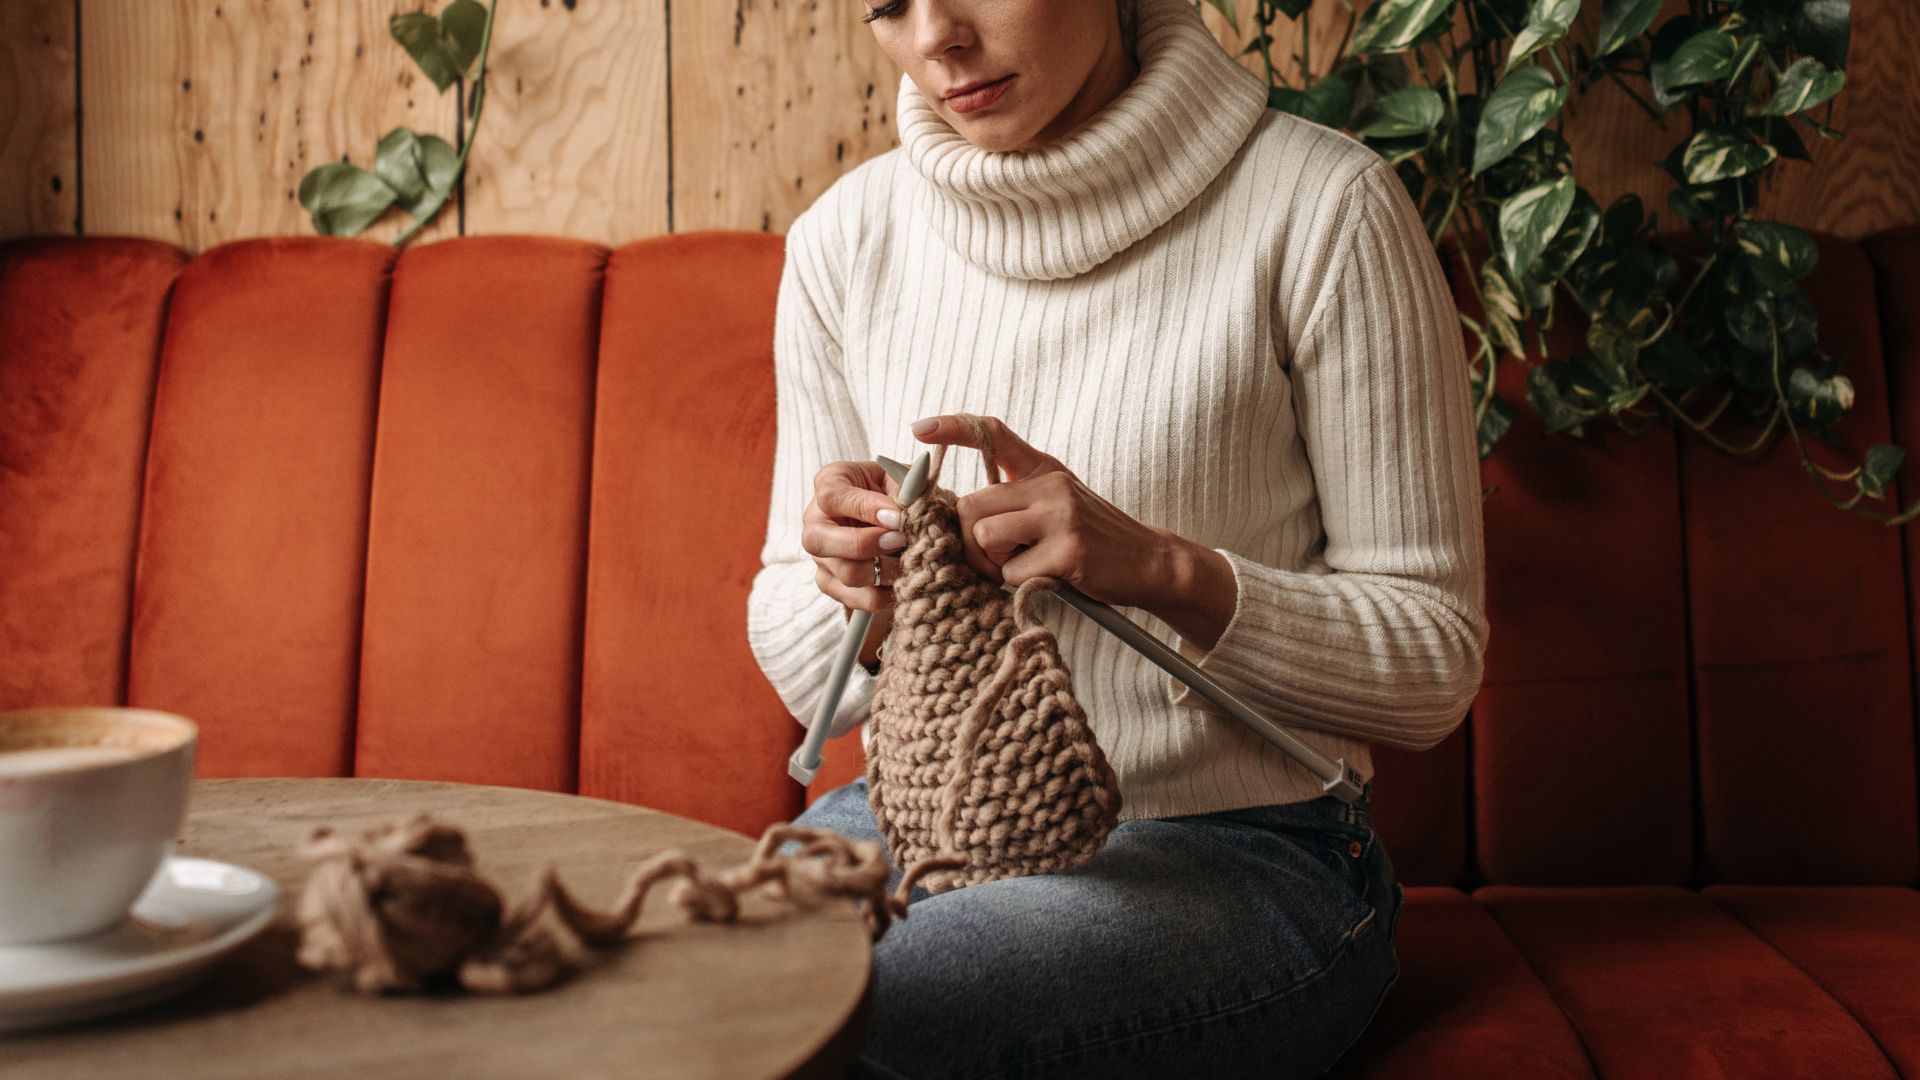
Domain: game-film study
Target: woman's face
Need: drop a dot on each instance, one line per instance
(1053, 62)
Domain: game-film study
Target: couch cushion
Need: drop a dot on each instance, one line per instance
(1466, 1004)
(476, 561)
(80, 329)
(1420, 808)
(253, 539)
(1796, 622)
(676, 712)
(1582, 771)
(1660, 981)
(1861, 943)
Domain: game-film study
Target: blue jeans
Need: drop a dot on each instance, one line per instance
(1253, 942)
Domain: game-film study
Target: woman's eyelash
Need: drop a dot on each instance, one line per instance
(882, 12)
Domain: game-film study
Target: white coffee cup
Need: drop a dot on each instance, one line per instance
(91, 800)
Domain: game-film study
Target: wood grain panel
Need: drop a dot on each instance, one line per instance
(772, 102)
(573, 136)
(202, 115)
(39, 188)
(1865, 183)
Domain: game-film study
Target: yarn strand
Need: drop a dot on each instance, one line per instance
(400, 905)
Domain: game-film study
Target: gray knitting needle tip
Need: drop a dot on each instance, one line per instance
(805, 761)
(1337, 778)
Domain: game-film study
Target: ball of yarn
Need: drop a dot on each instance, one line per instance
(401, 907)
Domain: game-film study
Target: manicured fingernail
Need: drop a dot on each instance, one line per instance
(889, 518)
(891, 540)
(922, 427)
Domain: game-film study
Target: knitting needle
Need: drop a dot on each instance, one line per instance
(806, 760)
(1337, 778)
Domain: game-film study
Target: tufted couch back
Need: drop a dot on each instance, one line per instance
(489, 510)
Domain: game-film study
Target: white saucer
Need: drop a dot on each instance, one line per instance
(194, 912)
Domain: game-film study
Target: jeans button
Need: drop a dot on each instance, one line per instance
(1353, 848)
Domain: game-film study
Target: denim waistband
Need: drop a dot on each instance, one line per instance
(1323, 808)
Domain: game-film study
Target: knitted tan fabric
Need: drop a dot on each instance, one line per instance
(981, 758)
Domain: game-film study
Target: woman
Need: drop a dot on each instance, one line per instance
(1228, 390)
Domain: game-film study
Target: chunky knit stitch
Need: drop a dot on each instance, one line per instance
(1226, 320)
(979, 748)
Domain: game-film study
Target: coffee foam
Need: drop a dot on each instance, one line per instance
(56, 739)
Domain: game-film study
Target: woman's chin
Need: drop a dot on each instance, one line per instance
(993, 133)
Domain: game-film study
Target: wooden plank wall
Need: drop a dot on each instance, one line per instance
(193, 120)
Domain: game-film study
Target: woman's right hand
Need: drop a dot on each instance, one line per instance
(853, 518)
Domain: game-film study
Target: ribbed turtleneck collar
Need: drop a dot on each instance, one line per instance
(1075, 202)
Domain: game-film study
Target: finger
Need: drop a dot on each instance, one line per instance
(854, 491)
(858, 573)
(1012, 453)
(864, 597)
(1030, 562)
(822, 538)
(1000, 536)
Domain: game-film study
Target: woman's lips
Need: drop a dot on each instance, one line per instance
(980, 98)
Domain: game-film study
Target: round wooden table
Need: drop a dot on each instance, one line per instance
(782, 992)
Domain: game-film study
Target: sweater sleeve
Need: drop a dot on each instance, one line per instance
(793, 628)
(1381, 638)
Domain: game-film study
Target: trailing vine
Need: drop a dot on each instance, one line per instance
(1667, 331)
(415, 172)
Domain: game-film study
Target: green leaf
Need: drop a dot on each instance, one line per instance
(1413, 111)
(344, 199)
(1547, 393)
(1623, 20)
(1777, 254)
(420, 36)
(1622, 221)
(1612, 343)
(1225, 8)
(1818, 400)
(1704, 57)
(445, 47)
(421, 169)
(1672, 361)
(1877, 468)
(1567, 245)
(397, 161)
(1821, 29)
(463, 24)
(1806, 83)
(1530, 219)
(1749, 321)
(441, 163)
(1392, 25)
(1674, 33)
(1373, 78)
(1722, 151)
(1547, 21)
(1602, 381)
(1780, 135)
(1519, 107)
(1498, 416)
(1329, 101)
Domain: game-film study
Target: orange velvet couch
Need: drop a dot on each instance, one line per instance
(488, 511)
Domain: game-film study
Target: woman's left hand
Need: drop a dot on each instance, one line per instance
(1043, 521)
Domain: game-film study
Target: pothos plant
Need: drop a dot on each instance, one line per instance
(1726, 327)
(415, 172)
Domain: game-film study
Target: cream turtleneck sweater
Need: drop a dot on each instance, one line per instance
(1226, 320)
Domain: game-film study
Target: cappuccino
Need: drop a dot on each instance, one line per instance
(90, 802)
(57, 758)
